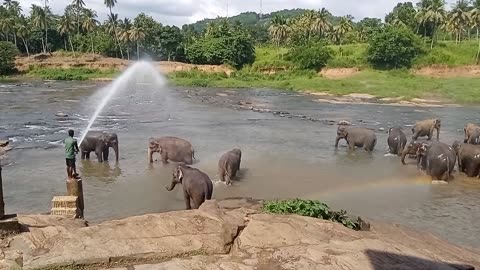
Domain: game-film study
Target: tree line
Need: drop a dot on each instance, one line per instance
(222, 40)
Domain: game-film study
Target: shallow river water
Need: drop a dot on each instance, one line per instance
(282, 157)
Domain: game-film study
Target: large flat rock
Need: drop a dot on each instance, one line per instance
(226, 237)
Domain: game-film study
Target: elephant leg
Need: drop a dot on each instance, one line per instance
(221, 173)
(99, 156)
(164, 157)
(198, 200)
(186, 197)
(87, 155)
(83, 155)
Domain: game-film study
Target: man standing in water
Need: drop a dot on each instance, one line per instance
(71, 149)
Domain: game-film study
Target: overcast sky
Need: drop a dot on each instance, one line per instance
(179, 12)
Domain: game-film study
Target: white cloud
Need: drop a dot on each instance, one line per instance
(179, 12)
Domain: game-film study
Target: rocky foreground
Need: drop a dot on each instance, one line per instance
(229, 234)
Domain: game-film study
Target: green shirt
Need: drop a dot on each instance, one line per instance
(70, 147)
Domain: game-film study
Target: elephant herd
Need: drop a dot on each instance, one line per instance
(435, 158)
(197, 185)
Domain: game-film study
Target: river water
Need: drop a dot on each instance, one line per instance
(283, 157)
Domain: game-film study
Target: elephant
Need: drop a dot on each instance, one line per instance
(411, 149)
(468, 157)
(357, 137)
(396, 140)
(425, 128)
(229, 165)
(472, 134)
(197, 186)
(438, 158)
(99, 142)
(171, 148)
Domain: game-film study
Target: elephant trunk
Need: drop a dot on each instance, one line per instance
(117, 153)
(438, 134)
(336, 141)
(150, 155)
(404, 154)
(172, 185)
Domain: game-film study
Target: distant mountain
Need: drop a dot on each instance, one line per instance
(250, 18)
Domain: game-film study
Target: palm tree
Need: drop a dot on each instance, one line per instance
(475, 19)
(321, 24)
(137, 35)
(39, 21)
(421, 22)
(6, 22)
(124, 35)
(90, 24)
(113, 29)
(342, 28)
(14, 10)
(279, 30)
(66, 28)
(79, 4)
(459, 18)
(308, 21)
(45, 17)
(435, 14)
(111, 4)
(23, 32)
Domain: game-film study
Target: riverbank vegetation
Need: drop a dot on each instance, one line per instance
(283, 49)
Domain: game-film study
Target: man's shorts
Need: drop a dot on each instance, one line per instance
(70, 162)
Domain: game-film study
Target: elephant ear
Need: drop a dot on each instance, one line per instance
(179, 174)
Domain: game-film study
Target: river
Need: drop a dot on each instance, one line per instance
(284, 156)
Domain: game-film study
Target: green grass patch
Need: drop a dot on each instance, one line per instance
(309, 208)
(396, 83)
(70, 74)
(448, 53)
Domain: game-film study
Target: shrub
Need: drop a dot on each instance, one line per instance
(309, 208)
(8, 51)
(311, 56)
(394, 47)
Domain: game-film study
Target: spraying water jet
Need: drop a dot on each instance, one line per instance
(140, 73)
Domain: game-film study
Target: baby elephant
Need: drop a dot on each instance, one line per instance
(357, 137)
(229, 165)
(396, 140)
(472, 134)
(197, 186)
(425, 128)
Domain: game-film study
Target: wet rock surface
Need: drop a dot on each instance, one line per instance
(231, 234)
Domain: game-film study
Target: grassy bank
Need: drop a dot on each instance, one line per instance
(399, 83)
(70, 74)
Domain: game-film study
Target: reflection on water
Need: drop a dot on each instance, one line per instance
(281, 157)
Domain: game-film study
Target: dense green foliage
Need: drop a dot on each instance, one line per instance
(311, 56)
(7, 57)
(72, 74)
(393, 48)
(309, 208)
(222, 44)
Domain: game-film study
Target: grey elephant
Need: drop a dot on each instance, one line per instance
(171, 148)
(411, 150)
(438, 158)
(472, 134)
(468, 157)
(229, 165)
(425, 128)
(396, 140)
(99, 142)
(357, 137)
(197, 186)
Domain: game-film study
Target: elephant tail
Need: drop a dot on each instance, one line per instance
(399, 146)
(193, 154)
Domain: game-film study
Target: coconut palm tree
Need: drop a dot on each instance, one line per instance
(458, 18)
(345, 25)
(308, 22)
(475, 19)
(113, 29)
(14, 10)
(66, 28)
(39, 21)
(79, 4)
(23, 32)
(124, 34)
(6, 22)
(421, 22)
(279, 30)
(110, 4)
(45, 19)
(435, 14)
(321, 24)
(137, 35)
(89, 24)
